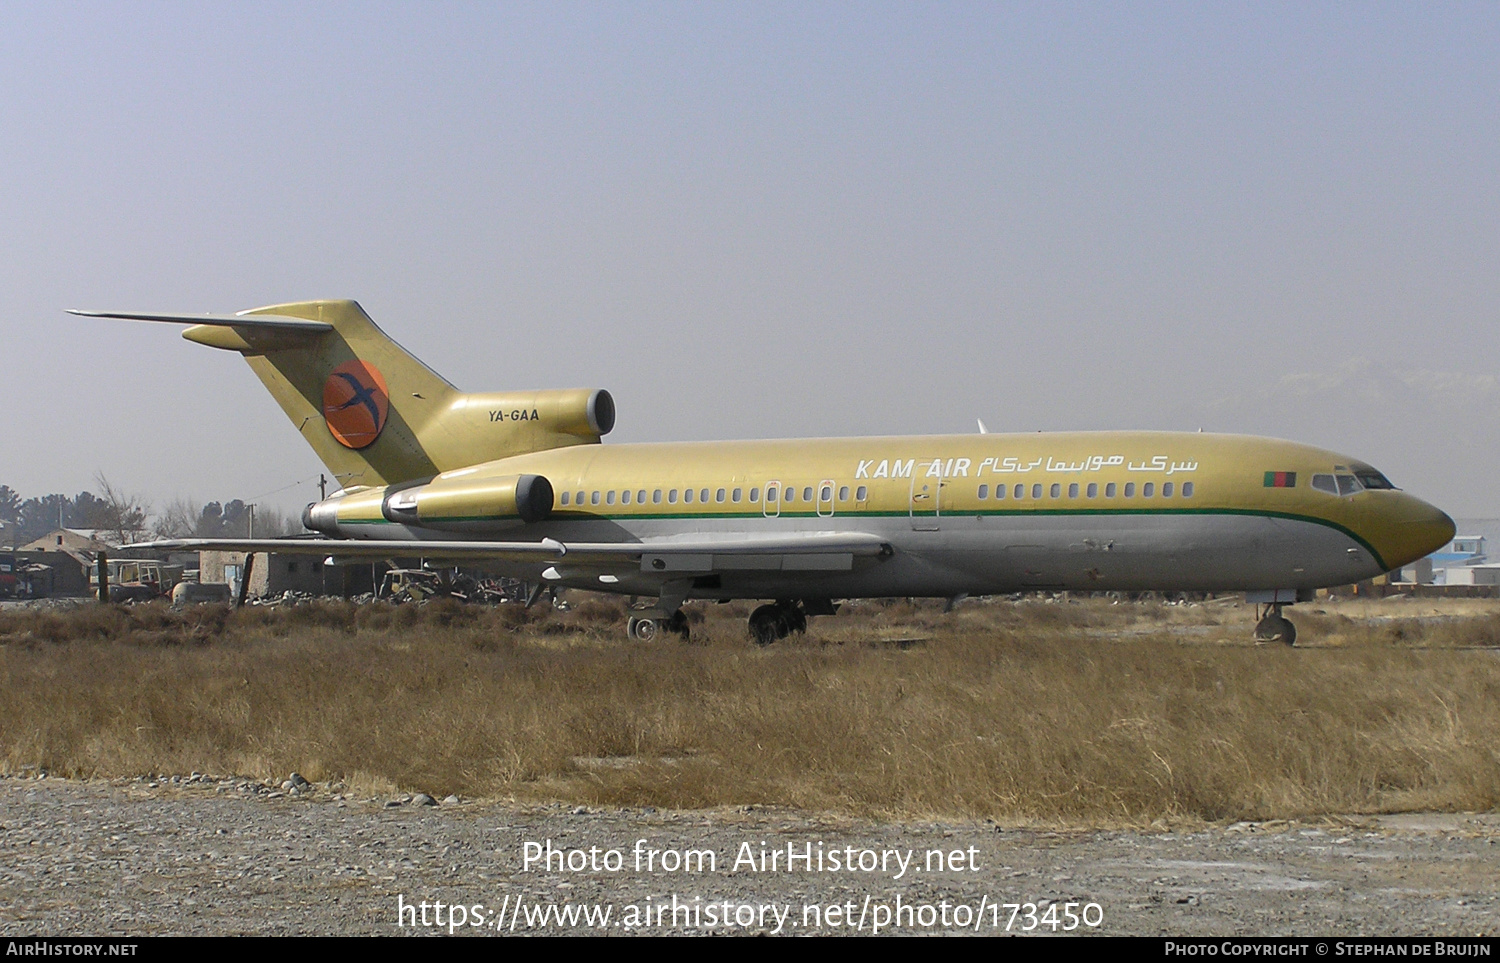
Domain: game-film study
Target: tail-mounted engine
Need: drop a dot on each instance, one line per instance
(466, 504)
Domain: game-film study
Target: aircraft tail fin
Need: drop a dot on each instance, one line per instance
(374, 413)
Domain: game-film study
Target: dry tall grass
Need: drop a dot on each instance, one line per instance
(1053, 712)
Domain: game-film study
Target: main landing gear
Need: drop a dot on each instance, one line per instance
(776, 621)
(1273, 626)
(644, 630)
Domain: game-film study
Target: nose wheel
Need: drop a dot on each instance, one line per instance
(1274, 627)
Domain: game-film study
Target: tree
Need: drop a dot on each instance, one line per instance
(10, 505)
(125, 514)
(178, 520)
(38, 516)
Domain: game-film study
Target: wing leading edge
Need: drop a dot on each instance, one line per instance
(672, 553)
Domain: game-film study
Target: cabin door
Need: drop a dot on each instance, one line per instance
(926, 501)
(770, 503)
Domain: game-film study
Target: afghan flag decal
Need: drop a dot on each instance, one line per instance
(1281, 479)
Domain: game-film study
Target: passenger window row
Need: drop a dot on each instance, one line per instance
(1091, 490)
(774, 493)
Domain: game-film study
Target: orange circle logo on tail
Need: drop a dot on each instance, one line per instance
(355, 404)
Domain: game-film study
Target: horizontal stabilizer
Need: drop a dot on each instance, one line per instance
(263, 322)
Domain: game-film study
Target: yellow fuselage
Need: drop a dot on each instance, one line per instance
(975, 513)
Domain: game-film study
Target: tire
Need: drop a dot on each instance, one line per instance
(1276, 628)
(643, 630)
(766, 625)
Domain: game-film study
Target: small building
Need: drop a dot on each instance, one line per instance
(270, 574)
(1417, 573)
(1485, 574)
(38, 574)
(1464, 551)
(83, 544)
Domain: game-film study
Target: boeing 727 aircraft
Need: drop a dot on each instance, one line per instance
(520, 481)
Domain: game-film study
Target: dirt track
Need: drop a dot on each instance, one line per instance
(218, 858)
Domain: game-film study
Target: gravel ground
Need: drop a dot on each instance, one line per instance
(225, 856)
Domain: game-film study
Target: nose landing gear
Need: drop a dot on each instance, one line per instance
(1273, 626)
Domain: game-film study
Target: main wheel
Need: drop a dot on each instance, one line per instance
(766, 625)
(642, 630)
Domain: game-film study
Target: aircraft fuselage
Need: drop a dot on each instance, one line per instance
(977, 514)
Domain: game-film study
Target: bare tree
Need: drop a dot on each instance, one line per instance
(178, 520)
(126, 514)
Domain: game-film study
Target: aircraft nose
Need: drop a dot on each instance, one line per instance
(1413, 530)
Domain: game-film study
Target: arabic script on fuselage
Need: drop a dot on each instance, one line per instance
(960, 467)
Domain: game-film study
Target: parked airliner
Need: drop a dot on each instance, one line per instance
(521, 482)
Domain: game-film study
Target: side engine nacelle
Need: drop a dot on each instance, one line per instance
(464, 504)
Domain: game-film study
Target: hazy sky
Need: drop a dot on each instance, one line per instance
(761, 220)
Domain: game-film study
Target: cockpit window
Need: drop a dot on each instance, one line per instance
(1325, 483)
(1373, 479)
(1348, 484)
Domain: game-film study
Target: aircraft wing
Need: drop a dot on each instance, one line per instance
(698, 553)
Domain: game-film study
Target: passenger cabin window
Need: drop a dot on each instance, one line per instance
(1148, 489)
(807, 494)
(790, 495)
(703, 495)
(656, 497)
(1093, 490)
(861, 493)
(843, 493)
(1056, 491)
(770, 493)
(1020, 491)
(984, 492)
(672, 497)
(755, 494)
(579, 499)
(593, 498)
(609, 498)
(1109, 490)
(564, 498)
(734, 496)
(640, 497)
(687, 495)
(1166, 490)
(1130, 489)
(625, 497)
(1073, 490)
(719, 495)
(1187, 489)
(1036, 490)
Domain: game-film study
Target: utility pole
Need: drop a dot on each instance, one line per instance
(251, 533)
(322, 486)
